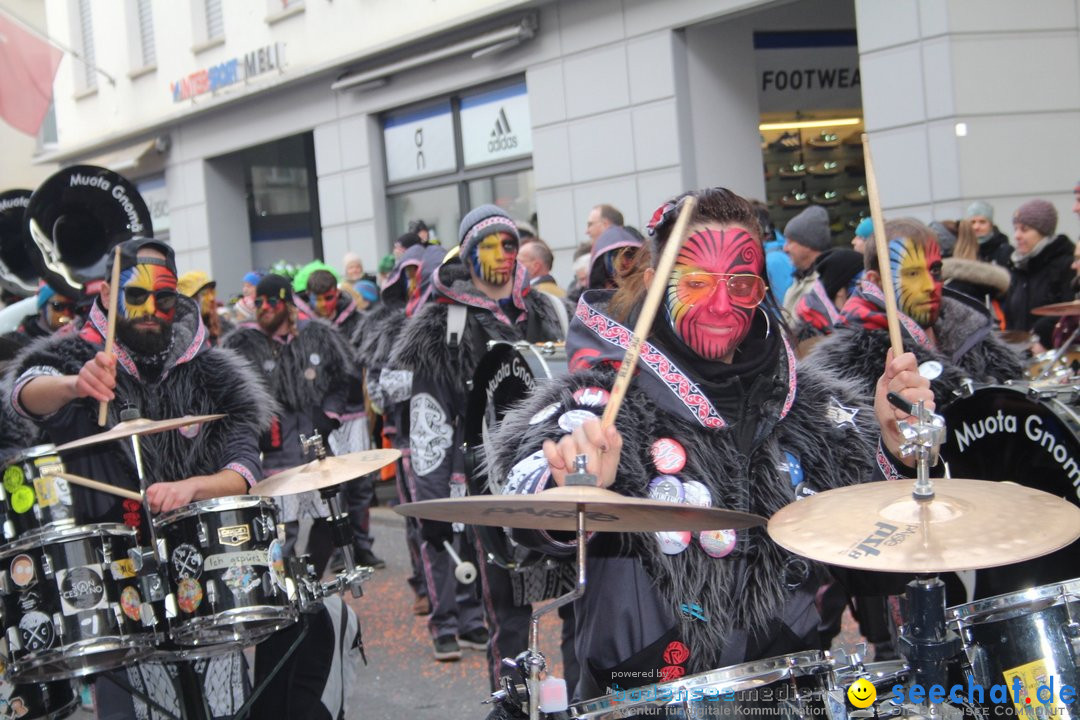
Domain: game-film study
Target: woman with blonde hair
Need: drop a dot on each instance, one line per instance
(964, 272)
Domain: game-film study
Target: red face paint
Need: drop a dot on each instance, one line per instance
(714, 289)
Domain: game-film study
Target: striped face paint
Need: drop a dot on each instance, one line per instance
(147, 289)
(916, 272)
(494, 257)
(714, 288)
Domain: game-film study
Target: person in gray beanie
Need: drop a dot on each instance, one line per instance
(808, 236)
(1041, 268)
(993, 245)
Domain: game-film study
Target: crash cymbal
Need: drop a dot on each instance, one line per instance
(1058, 309)
(556, 509)
(141, 426)
(320, 474)
(969, 524)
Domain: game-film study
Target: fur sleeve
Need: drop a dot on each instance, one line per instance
(421, 346)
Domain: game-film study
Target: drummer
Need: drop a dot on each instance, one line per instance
(163, 367)
(716, 415)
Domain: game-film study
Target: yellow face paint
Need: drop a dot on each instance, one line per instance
(495, 257)
(147, 289)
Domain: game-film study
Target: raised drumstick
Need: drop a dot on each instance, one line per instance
(891, 311)
(110, 333)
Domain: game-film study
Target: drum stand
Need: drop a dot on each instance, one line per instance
(1058, 354)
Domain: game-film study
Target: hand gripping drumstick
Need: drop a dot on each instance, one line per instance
(102, 487)
(648, 311)
(891, 311)
(110, 333)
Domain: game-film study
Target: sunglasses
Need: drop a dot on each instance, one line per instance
(273, 302)
(743, 289)
(163, 299)
(68, 307)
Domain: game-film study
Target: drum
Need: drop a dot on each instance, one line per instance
(1027, 436)
(791, 686)
(504, 377)
(73, 604)
(884, 675)
(32, 498)
(227, 571)
(1026, 639)
(32, 701)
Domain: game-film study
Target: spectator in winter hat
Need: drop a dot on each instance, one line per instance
(808, 236)
(864, 233)
(1041, 267)
(993, 245)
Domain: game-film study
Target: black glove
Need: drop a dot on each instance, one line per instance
(324, 424)
(434, 532)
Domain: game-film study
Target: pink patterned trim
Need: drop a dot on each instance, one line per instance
(243, 470)
(792, 379)
(484, 225)
(100, 322)
(830, 308)
(485, 303)
(885, 465)
(916, 332)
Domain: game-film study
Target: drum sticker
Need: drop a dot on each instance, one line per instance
(37, 631)
(22, 571)
(526, 474)
(544, 414)
(666, 489)
(718, 543)
(592, 396)
(1030, 676)
(234, 535)
(573, 419)
(241, 579)
(45, 490)
(122, 569)
(22, 499)
(668, 455)
(673, 543)
(275, 556)
(840, 415)
(223, 561)
(694, 493)
(693, 611)
(81, 589)
(675, 655)
(29, 601)
(131, 603)
(13, 478)
(189, 595)
(187, 561)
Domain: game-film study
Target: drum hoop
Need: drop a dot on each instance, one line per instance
(50, 536)
(211, 505)
(974, 613)
(31, 453)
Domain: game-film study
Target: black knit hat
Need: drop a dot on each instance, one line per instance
(837, 268)
(481, 222)
(275, 286)
(129, 255)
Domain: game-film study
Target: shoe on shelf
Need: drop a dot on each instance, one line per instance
(794, 200)
(475, 639)
(854, 220)
(447, 648)
(858, 195)
(366, 558)
(788, 142)
(825, 169)
(825, 141)
(794, 170)
(829, 197)
(421, 605)
(854, 138)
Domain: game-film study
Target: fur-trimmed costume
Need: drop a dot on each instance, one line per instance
(981, 280)
(811, 433)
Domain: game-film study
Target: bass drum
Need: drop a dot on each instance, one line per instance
(504, 377)
(1019, 434)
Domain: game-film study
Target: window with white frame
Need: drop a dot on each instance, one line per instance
(85, 67)
(147, 49)
(215, 21)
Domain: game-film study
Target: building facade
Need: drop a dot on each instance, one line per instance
(261, 130)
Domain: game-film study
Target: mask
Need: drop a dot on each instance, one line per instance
(916, 270)
(714, 289)
(326, 304)
(494, 257)
(147, 290)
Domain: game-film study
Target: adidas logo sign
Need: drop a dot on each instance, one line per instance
(501, 135)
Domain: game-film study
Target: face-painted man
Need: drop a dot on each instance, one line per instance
(58, 311)
(273, 298)
(494, 257)
(714, 289)
(916, 273)
(146, 302)
(323, 294)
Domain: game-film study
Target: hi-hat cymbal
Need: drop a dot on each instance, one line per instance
(1071, 307)
(328, 472)
(141, 426)
(556, 509)
(968, 525)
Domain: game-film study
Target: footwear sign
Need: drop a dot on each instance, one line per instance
(81, 589)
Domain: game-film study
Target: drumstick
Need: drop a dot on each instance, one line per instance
(103, 487)
(891, 311)
(648, 311)
(110, 333)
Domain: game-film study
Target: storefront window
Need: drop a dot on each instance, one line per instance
(439, 208)
(513, 192)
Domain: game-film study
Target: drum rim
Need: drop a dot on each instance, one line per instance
(719, 677)
(266, 615)
(138, 646)
(31, 453)
(971, 613)
(217, 504)
(50, 535)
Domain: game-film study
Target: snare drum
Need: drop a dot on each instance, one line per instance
(1030, 636)
(790, 686)
(227, 571)
(34, 701)
(1016, 433)
(32, 498)
(73, 603)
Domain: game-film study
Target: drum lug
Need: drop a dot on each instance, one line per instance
(58, 624)
(147, 614)
(171, 610)
(46, 565)
(9, 530)
(5, 583)
(264, 528)
(211, 592)
(115, 607)
(203, 533)
(1071, 630)
(14, 643)
(269, 586)
(106, 557)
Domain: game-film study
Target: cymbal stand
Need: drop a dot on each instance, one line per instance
(1058, 354)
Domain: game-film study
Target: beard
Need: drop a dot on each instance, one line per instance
(144, 343)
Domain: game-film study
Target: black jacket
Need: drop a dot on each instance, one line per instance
(1044, 279)
(997, 250)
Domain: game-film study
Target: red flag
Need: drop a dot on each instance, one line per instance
(27, 68)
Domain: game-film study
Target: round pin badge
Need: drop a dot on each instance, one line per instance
(696, 494)
(310, 373)
(314, 359)
(37, 631)
(717, 543)
(268, 366)
(189, 594)
(22, 499)
(666, 488)
(592, 396)
(13, 478)
(21, 571)
(275, 558)
(544, 414)
(673, 543)
(187, 561)
(668, 455)
(931, 369)
(131, 603)
(525, 475)
(572, 419)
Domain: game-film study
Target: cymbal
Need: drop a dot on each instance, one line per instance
(328, 472)
(1071, 307)
(968, 525)
(556, 509)
(1018, 337)
(141, 426)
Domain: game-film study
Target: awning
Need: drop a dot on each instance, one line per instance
(131, 161)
